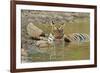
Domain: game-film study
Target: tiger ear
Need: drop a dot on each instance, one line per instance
(62, 26)
(53, 26)
(52, 23)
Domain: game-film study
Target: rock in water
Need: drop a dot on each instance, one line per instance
(34, 31)
(24, 52)
(42, 44)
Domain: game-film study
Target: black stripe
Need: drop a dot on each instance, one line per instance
(83, 36)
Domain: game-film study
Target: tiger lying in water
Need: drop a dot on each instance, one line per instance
(56, 34)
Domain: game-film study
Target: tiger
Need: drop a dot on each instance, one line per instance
(58, 33)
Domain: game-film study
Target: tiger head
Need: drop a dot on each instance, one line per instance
(57, 30)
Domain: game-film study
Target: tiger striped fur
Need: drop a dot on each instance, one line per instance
(77, 37)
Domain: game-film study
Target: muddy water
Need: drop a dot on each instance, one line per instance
(72, 51)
